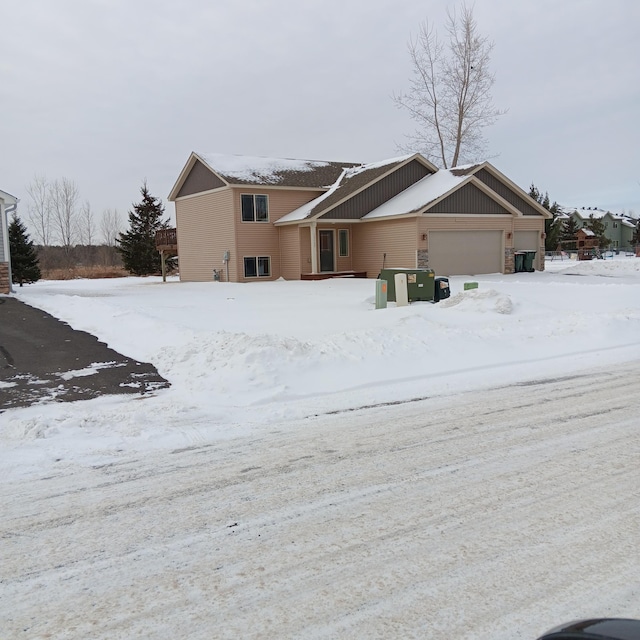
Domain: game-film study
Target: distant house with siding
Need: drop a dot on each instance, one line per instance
(246, 218)
(618, 228)
(7, 204)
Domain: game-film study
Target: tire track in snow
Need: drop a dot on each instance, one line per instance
(435, 520)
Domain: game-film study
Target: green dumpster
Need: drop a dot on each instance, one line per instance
(529, 257)
(518, 258)
(420, 283)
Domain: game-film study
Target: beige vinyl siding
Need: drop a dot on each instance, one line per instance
(205, 231)
(395, 238)
(289, 252)
(263, 238)
(305, 250)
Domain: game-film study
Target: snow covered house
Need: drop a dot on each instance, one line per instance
(618, 227)
(242, 218)
(7, 203)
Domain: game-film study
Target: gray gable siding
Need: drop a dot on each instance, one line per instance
(199, 179)
(468, 199)
(504, 191)
(378, 193)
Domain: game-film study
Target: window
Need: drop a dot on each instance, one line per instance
(254, 208)
(615, 225)
(343, 242)
(259, 267)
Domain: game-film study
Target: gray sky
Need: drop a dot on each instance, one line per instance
(110, 92)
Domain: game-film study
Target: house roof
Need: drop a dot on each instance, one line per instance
(277, 172)
(351, 181)
(8, 198)
(419, 195)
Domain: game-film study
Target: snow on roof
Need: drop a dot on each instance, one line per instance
(258, 169)
(348, 173)
(418, 195)
(354, 171)
(305, 210)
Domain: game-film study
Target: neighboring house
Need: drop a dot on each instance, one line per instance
(618, 228)
(7, 204)
(246, 218)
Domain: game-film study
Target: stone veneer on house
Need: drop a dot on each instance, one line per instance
(4, 277)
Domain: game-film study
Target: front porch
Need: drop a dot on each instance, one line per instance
(325, 275)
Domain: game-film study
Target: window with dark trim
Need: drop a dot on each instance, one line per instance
(343, 242)
(255, 208)
(257, 267)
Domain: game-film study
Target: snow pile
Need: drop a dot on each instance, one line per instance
(481, 301)
(243, 356)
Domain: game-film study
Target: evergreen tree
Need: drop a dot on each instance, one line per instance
(597, 226)
(635, 240)
(552, 226)
(24, 259)
(137, 246)
(569, 235)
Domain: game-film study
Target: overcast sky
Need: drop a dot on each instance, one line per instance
(110, 92)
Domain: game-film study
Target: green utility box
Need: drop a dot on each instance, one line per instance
(420, 283)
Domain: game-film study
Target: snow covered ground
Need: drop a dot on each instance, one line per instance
(240, 356)
(487, 490)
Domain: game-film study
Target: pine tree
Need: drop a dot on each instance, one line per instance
(138, 246)
(569, 235)
(597, 226)
(552, 226)
(635, 240)
(24, 259)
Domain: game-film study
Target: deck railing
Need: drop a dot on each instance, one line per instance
(166, 238)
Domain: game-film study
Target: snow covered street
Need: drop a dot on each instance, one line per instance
(490, 514)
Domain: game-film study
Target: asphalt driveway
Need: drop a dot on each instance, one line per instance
(43, 359)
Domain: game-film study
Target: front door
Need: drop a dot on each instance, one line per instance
(326, 250)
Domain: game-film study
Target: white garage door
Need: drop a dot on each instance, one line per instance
(528, 241)
(454, 253)
(525, 240)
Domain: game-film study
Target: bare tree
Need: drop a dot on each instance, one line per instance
(110, 226)
(86, 225)
(64, 199)
(450, 91)
(39, 209)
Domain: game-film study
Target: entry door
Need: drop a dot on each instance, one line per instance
(327, 261)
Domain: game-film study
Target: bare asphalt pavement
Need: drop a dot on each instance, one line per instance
(43, 359)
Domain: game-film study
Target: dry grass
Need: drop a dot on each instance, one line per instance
(93, 272)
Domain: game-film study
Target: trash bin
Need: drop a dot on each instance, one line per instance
(442, 289)
(518, 258)
(529, 257)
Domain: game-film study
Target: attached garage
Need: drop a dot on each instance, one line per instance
(528, 241)
(454, 253)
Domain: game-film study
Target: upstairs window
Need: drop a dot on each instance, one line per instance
(254, 208)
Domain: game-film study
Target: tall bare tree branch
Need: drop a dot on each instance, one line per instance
(449, 95)
(39, 209)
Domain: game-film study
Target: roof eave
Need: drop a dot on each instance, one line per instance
(193, 158)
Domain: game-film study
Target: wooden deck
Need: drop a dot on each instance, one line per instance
(333, 274)
(167, 241)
